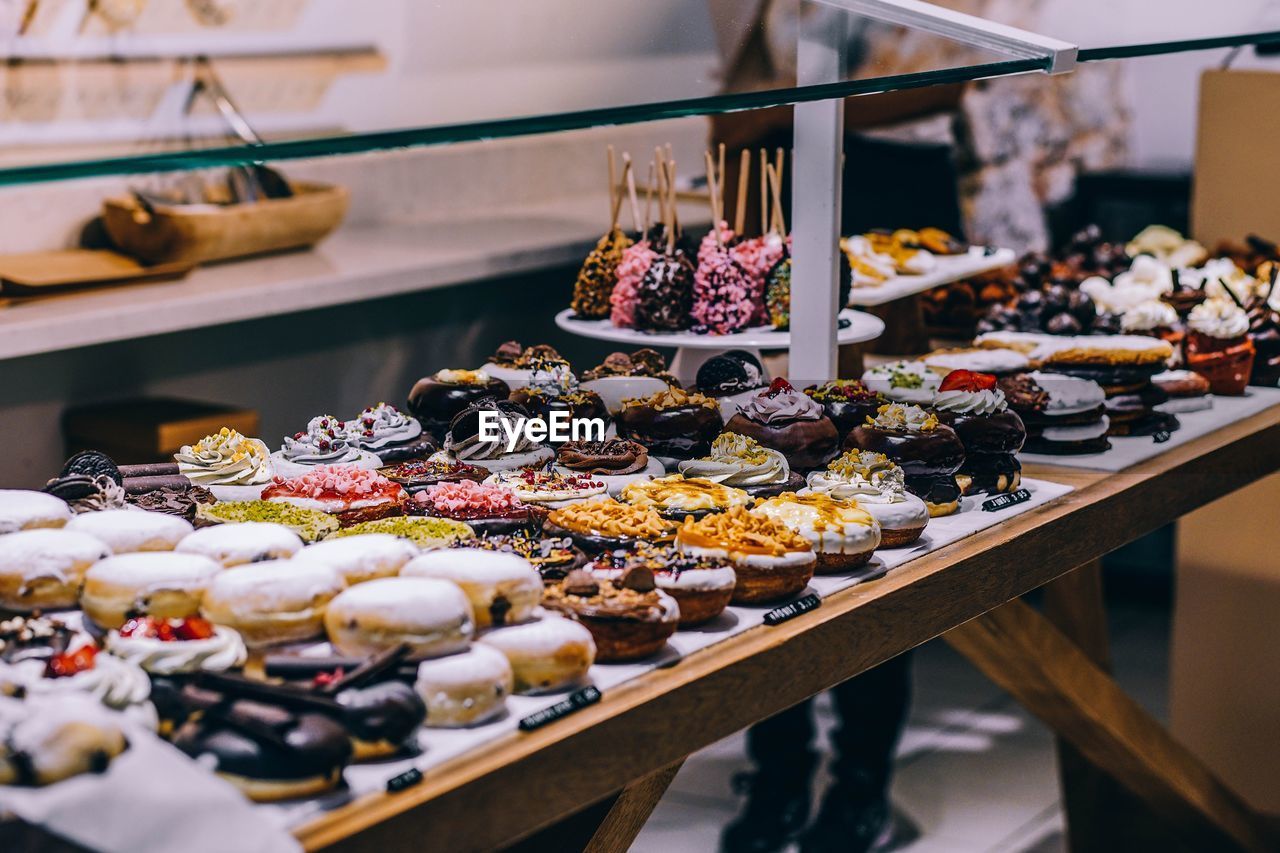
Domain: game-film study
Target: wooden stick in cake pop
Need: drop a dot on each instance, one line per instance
(671, 196)
(775, 188)
(713, 195)
(744, 175)
(613, 180)
(765, 206)
(648, 200)
(628, 175)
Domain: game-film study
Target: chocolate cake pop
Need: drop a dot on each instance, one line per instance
(598, 275)
(666, 292)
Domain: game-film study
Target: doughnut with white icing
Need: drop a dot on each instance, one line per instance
(466, 688)
(128, 531)
(547, 654)
(237, 544)
(163, 583)
(504, 588)
(433, 617)
(275, 602)
(21, 509)
(363, 557)
(43, 569)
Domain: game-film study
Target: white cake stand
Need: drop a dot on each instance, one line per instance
(692, 350)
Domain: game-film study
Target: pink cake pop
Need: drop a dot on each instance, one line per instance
(636, 260)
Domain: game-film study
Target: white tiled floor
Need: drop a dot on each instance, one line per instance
(975, 772)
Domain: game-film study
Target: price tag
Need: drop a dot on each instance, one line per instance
(407, 779)
(576, 701)
(792, 610)
(1000, 502)
(1161, 436)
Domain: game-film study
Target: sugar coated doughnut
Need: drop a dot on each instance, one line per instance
(504, 588)
(362, 558)
(163, 583)
(131, 530)
(432, 616)
(237, 544)
(547, 654)
(43, 569)
(275, 602)
(464, 689)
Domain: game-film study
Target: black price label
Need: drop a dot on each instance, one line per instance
(575, 701)
(1000, 502)
(407, 779)
(1161, 436)
(792, 610)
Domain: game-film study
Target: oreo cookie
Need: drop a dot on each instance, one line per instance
(731, 372)
(92, 463)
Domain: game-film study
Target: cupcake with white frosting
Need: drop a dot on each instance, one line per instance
(325, 441)
(177, 646)
(390, 434)
(228, 464)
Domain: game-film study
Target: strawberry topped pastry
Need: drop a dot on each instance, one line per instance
(790, 422)
(548, 487)
(350, 494)
(488, 508)
(991, 432)
(177, 646)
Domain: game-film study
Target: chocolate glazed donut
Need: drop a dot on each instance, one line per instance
(579, 404)
(435, 403)
(847, 414)
(682, 432)
(999, 433)
(928, 459)
(806, 443)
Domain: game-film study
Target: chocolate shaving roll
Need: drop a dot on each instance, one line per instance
(149, 469)
(299, 668)
(140, 485)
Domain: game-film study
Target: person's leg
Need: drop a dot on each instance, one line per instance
(778, 788)
(872, 710)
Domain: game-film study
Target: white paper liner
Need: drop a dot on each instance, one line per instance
(1127, 451)
(440, 745)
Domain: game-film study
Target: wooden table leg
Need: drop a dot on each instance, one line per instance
(1024, 653)
(609, 826)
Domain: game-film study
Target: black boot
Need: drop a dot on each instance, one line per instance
(776, 810)
(854, 822)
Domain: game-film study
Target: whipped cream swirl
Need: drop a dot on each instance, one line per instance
(781, 407)
(224, 650)
(738, 460)
(116, 683)
(988, 401)
(381, 425)
(864, 475)
(225, 458)
(1218, 318)
(326, 442)
(1148, 316)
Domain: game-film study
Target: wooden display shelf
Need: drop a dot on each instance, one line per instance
(621, 752)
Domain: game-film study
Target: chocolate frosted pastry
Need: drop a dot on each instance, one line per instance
(665, 295)
(437, 399)
(515, 364)
(790, 422)
(608, 525)
(389, 434)
(992, 433)
(554, 388)
(673, 424)
(628, 617)
(85, 493)
(417, 474)
(1264, 331)
(642, 362)
(464, 442)
(733, 372)
(613, 457)
(1023, 395)
(266, 751)
(847, 402)
(928, 452)
(701, 585)
(553, 556)
(598, 275)
(182, 501)
(743, 463)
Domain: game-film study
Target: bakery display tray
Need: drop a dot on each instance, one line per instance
(978, 259)
(861, 327)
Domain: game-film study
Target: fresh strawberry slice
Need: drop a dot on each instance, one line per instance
(70, 663)
(778, 386)
(967, 380)
(194, 628)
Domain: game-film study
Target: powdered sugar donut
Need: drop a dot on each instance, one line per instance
(278, 601)
(548, 654)
(44, 569)
(163, 583)
(236, 544)
(432, 616)
(464, 689)
(129, 530)
(503, 587)
(21, 509)
(363, 557)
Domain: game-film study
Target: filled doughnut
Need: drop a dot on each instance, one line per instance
(433, 617)
(21, 509)
(503, 588)
(167, 584)
(127, 530)
(547, 654)
(275, 602)
(237, 544)
(466, 688)
(43, 569)
(362, 557)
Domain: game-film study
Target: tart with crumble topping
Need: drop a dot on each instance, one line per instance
(608, 525)
(772, 562)
(676, 496)
(547, 487)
